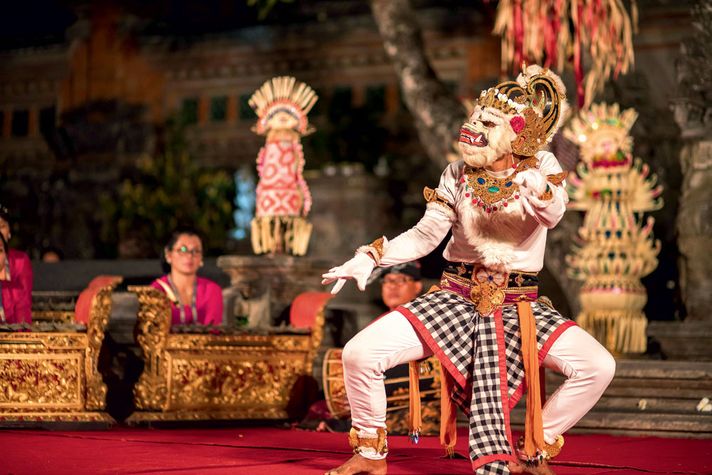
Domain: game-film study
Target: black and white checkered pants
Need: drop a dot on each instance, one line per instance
(482, 354)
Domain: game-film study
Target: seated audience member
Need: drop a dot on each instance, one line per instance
(51, 254)
(193, 299)
(15, 278)
(400, 284)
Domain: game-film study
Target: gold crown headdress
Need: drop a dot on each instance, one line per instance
(538, 100)
(283, 94)
(492, 97)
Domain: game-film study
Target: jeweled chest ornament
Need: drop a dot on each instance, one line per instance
(492, 193)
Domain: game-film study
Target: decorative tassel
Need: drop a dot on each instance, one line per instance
(272, 234)
(533, 426)
(448, 415)
(619, 331)
(414, 415)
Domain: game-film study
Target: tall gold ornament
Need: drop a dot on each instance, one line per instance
(617, 247)
(283, 199)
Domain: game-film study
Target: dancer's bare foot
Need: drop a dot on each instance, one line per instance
(541, 469)
(359, 464)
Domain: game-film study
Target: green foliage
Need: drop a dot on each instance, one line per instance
(167, 191)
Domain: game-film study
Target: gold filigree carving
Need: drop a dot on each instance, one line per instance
(432, 196)
(375, 249)
(152, 326)
(244, 379)
(41, 381)
(206, 376)
(317, 333)
(213, 414)
(52, 316)
(54, 376)
(98, 319)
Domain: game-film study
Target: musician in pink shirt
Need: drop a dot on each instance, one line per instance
(194, 300)
(15, 278)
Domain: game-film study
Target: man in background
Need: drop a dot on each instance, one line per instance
(400, 284)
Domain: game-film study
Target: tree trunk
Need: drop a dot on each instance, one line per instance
(438, 115)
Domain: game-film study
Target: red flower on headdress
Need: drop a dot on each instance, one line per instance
(517, 122)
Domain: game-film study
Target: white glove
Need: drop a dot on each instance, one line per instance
(531, 182)
(358, 268)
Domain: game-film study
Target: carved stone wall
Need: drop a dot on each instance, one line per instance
(694, 226)
(693, 113)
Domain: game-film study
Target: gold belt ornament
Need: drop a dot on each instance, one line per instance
(486, 288)
(486, 297)
(487, 292)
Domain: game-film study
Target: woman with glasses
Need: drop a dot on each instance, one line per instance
(194, 300)
(15, 278)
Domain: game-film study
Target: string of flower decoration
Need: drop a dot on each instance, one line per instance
(554, 32)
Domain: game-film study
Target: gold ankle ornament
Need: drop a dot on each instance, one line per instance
(377, 443)
(548, 452)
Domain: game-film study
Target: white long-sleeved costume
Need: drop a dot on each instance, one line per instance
(514, 238)
(483, 322)
(508, 238)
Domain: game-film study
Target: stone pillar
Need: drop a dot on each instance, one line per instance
(350, 208)
(275, 280)
(694, 227)
(692, 111)
(690, 338)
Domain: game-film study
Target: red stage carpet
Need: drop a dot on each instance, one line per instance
(272, 451)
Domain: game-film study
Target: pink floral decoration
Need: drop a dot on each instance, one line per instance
(517, 122)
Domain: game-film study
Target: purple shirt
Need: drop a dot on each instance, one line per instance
(17, 292)
(208, 301)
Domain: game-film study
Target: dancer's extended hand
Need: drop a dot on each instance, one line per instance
(358, 268)
(531, 181)
(532, 184)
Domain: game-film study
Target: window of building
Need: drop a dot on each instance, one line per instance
(20, 123)
(218, 109)
(189, 111)
(48, 120)
(246, 112)
(341, 101)
(376, 99)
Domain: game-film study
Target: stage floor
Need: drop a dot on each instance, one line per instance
(276, 451)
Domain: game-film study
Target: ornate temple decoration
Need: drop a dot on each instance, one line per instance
(548, 32)
(213, 375)
(617, 248)
(283, 198)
